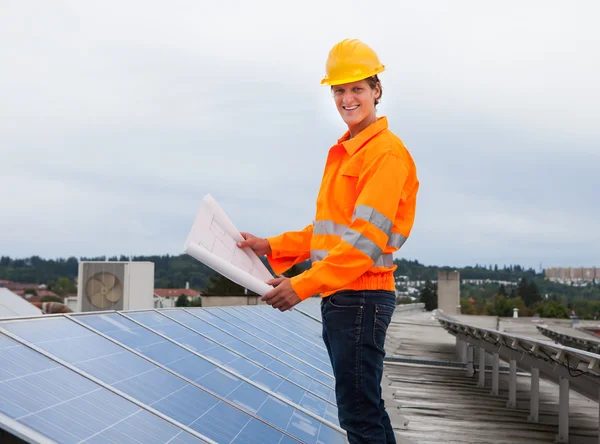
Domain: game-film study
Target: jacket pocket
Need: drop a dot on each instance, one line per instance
(348, 183)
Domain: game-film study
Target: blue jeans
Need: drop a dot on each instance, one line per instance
(354, 329)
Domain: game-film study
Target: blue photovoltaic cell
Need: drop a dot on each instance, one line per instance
(187, 364)
(211, 377)
(292, 321)
(227, 330)
(310, 306)
(68, 408)
(150, 384)
(267, 325)
(250, 352)
(253, 326)
(297, 317)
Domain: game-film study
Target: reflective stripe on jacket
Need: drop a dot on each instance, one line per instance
(365, 212)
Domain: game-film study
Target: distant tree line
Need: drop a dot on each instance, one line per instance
(169, 272)
(549, 300)
(419, 272)
(174, 271)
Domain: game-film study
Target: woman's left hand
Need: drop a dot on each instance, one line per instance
(283, 296)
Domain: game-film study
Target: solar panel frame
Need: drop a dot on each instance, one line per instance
(23, 432)
(108, 387)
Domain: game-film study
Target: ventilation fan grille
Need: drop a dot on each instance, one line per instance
(103, 290)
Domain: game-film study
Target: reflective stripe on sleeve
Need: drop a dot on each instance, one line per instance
(396, 240)
(362, 243)
(374, 217)
(385, 260)
(328, 227)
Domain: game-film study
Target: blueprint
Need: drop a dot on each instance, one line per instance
(213, 241)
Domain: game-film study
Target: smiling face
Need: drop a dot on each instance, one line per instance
(356, 104)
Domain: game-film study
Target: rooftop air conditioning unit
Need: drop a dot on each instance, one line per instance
(115, 286)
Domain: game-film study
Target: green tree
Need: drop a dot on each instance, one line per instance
(523, 289)
(466, 307)
(182, 301)
(62, 287)
(219, 285)
(534, 295)
(429, 296)
(196, 302)
(499, 306)
(502, 290)
(528, 291)
(552, 309)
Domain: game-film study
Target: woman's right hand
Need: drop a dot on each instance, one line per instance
(258, 244)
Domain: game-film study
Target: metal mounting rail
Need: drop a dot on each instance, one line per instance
(568, 367)
(589, 344)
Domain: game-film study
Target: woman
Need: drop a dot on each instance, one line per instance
(365, 212)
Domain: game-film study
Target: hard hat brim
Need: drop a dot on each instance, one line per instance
(333, 82)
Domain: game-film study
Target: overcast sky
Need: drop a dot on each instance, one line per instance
(116, 118)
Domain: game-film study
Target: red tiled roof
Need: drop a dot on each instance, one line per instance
(176, 292)
(2, 282)
(42, 293)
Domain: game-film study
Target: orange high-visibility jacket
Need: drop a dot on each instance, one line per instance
(365, 212)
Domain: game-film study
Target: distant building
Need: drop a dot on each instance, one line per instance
(167, 297)
(449, 291)
(572, 274)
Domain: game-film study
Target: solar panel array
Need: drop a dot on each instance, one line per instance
(229, 375)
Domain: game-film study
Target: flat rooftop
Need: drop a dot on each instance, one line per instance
(443, 404)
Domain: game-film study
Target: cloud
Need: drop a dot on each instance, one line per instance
(115, 120)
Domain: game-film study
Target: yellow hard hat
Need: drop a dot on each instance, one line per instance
(349, 61)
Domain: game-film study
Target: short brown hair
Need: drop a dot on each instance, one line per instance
(374, 82)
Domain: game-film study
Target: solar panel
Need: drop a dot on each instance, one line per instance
(127, 332)
(268, 321)
(231, 375)
(307, 321)
(203, 395)
(282, 340)
(292, 323)
(310, 307)
(152, 385)
(234, 329)
(41, 398)
(207, 325)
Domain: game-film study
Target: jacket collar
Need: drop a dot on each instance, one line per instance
(353, 145)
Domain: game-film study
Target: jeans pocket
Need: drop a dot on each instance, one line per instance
(382, 319)
(345, 299)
